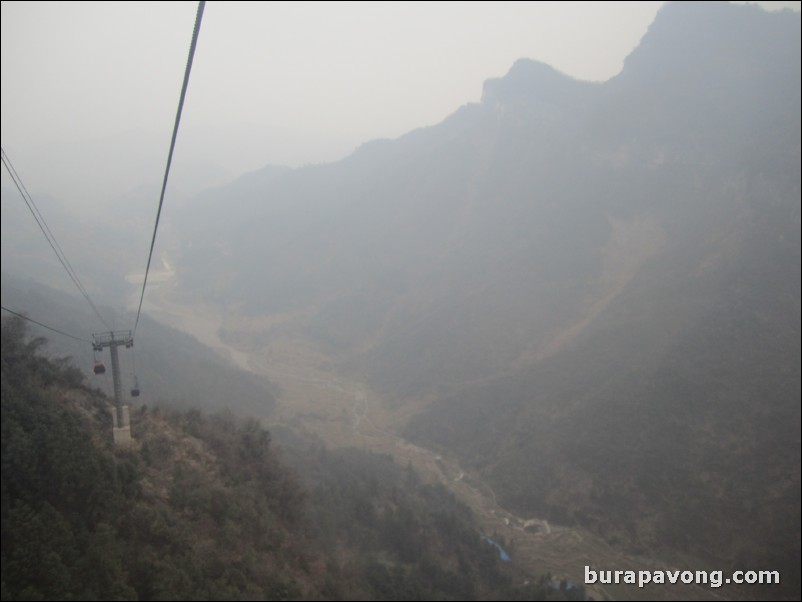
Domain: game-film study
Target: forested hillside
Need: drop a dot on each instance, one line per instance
(204, 508)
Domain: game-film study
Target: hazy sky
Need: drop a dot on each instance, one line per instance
(89, 90)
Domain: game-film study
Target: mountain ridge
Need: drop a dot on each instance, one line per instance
(604, 276)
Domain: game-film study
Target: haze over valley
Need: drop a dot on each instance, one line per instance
(573, 305)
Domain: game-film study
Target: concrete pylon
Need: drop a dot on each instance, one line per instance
(121, 417)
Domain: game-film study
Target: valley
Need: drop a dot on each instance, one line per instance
(574, 304)
(347, 413)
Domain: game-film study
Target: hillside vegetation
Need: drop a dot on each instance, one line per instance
(204, 508)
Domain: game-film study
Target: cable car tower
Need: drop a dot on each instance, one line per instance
(120, 415)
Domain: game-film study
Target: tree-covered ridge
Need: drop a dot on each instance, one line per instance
(204, 508)
(61, 494)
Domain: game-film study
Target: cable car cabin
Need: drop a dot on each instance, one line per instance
(135, 392)
(100, 368)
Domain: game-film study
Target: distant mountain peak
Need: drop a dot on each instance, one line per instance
(531, 81)
(711, 39)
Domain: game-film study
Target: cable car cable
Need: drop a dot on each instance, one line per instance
(196, 31)
(24, 317)
(48, 234)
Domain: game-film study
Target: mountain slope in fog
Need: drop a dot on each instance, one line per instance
(603, 278)
(171, 366)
